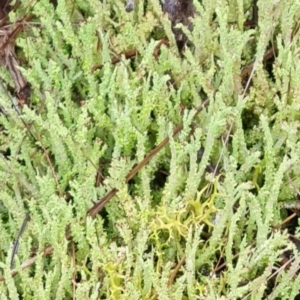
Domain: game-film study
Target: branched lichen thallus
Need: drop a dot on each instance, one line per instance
(179, 11)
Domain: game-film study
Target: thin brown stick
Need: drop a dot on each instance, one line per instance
(47, 251)
(46, 154)
(218, 263)
(173, 274)
(175, 271)
(286, 220)
(283, 267)
(128, 54)
(247, 70)
(17, 240)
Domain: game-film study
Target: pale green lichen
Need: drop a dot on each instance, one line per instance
(85, 124)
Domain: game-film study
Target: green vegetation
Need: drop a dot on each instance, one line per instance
(202, 219)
